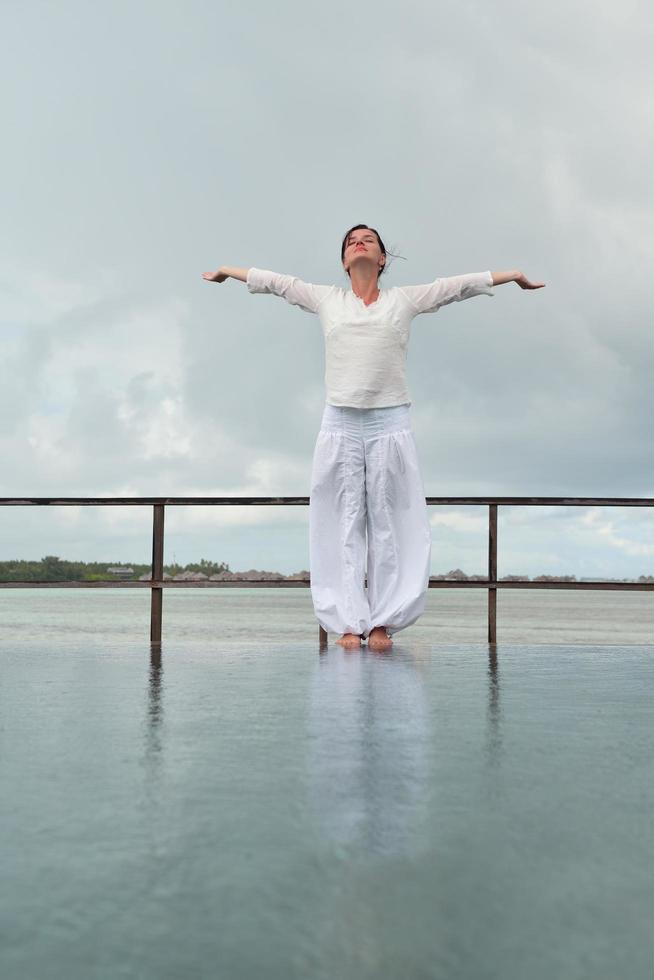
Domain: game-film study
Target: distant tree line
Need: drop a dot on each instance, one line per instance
(54, 569)
(460, 576)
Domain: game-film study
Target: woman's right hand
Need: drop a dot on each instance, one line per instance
(219, 276)
(226, 272)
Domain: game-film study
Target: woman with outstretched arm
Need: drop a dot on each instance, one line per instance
(367, 512)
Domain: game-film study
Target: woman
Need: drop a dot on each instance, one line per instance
(367, 504)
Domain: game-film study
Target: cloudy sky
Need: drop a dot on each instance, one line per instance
(144, 143)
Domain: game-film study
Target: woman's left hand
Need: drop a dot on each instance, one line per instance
(524, 283)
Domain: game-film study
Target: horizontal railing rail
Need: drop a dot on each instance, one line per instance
(157, 583)
(303, 501)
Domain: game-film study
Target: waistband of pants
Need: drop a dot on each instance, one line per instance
(365, 422)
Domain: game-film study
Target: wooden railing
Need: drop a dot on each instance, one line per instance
(157, 584)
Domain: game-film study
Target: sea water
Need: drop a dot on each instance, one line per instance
(240, 615)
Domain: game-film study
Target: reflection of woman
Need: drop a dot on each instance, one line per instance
(366, 481)
(368, 744)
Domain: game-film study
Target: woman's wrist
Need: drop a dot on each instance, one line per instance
(234, 272)
(499, 278)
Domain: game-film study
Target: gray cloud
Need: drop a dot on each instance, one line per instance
(146, 144)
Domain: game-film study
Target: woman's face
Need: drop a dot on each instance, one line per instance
(362, 247)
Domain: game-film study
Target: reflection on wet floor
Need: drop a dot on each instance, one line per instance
(155, 706)
(291, 811)
(368, 736)
(494, 744)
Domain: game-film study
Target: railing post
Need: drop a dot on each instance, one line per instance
(322, 638)
(156, 603)
(492, 573)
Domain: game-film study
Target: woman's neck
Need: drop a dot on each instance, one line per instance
(364, 285)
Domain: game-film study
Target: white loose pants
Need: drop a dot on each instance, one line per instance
(366, 483)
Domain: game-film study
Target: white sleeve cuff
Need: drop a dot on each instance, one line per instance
(258, 280)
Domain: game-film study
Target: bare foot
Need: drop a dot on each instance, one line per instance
(350, 640)
(379, 639)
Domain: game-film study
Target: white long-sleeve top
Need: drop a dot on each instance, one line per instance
(366, 346)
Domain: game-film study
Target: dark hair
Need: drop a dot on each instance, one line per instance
(374, 231)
